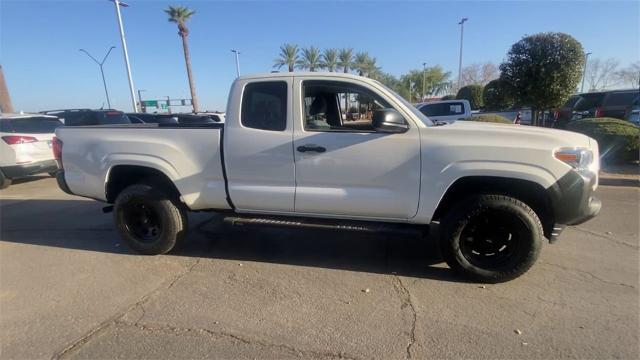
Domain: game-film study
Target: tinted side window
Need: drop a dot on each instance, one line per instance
(264, 106)
(5, 125)
(620, 99)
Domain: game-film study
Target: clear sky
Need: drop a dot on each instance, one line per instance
(39, 40)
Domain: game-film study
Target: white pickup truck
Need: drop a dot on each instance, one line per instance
(286, 157)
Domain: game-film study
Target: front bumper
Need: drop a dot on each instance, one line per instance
(572, 198)
(16, 171)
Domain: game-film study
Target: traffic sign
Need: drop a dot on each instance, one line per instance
(150, 103)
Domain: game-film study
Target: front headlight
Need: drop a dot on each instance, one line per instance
(577, 158)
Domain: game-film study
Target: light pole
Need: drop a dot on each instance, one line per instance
(237, 61)
(424, 78)
(142, 107)
(100, 63)
(117, 5)
(584, 71)
(461, 23)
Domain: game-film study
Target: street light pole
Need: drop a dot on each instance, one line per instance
(100, 63)
(117, 4)
(142, 107)
(584, 71)
(424, 79)
(461, 23)
(237, 61)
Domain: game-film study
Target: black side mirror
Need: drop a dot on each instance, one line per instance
(389, 121)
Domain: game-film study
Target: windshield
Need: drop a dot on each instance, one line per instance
(425, 120)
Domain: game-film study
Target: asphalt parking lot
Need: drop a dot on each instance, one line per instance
(70, 289)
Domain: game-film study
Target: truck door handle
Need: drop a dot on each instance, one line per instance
(305, 148)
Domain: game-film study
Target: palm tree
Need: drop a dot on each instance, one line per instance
(310, 59)
(180, 15)
(330, 59)
(345, 59)
(288, 57)
(361, 62)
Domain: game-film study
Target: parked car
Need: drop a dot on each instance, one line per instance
(612, 104)
(616, 103)
(446, 111)
(137, 118)
(564, 114)
(88, 117)
(25, 148)
(633, 112)
(497, 190)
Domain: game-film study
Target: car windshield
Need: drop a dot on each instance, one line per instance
(589, 101)
(425, 120)
(35, 125)
(571, 102)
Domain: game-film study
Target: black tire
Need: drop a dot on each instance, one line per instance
(491, 238)
(149, 220)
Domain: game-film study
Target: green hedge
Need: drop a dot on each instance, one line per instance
(472, 93)
(491, 118)
(618, 140)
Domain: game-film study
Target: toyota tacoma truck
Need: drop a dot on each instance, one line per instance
(286, 156)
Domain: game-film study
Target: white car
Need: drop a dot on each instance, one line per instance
(25, 145)
(286, 157)
(446, 111)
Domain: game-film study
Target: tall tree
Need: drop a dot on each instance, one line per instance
(478, 74)
(180, 15)
(310, 59)
(330, 59)
(288, 57)
(601, 74)
(543, 70)
(361, 62)
(345, 59)
(630, 75)
(497, 96)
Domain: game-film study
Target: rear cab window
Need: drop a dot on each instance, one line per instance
(111, 118)
(443, 109)
(264, 106)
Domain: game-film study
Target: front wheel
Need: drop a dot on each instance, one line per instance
(491, 238)
(149, 220)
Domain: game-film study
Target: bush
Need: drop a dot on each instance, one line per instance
(497, 95)
(472, 93)
(448, 97)
(492, 118)
(618, 140)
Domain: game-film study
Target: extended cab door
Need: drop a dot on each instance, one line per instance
(344, 168)
(258, 151)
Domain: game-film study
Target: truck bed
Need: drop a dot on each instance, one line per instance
(190, 156)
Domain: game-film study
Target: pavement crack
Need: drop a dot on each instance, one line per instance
(78, 343)
(619, 242)
(405, 296)
(590, 275)
(178, 331)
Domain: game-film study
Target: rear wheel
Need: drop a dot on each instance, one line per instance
(149, 220)
(491, 238)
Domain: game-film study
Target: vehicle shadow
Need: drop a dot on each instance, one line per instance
(80, 225)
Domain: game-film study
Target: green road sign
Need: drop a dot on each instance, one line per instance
(150, 103)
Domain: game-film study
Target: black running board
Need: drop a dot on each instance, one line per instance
(325, 224)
